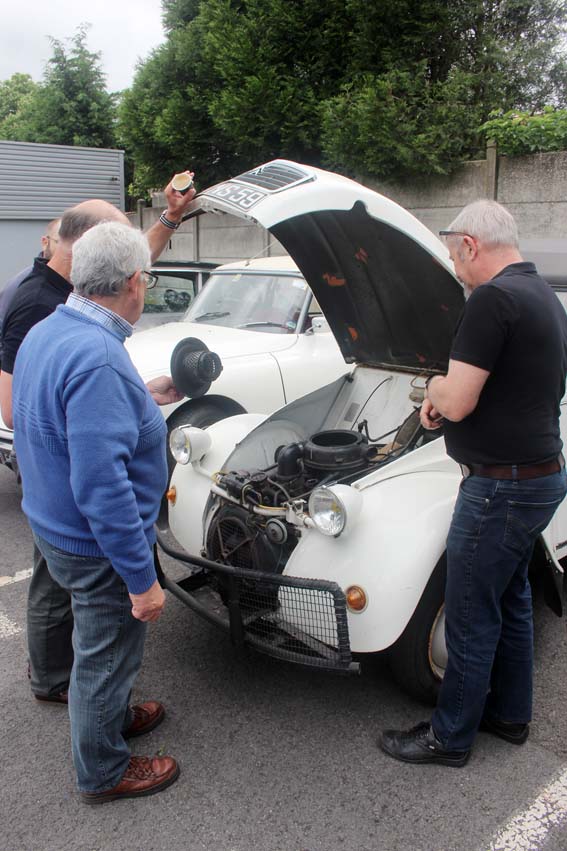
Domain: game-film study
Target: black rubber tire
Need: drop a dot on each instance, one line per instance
(409, 658)
(200, 414)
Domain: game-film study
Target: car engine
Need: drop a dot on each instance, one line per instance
(249, 526)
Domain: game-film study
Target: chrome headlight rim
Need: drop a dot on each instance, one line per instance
(189, 444)
(337, 507)
(180, 445)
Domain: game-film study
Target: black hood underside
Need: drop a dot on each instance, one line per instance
(387, 300)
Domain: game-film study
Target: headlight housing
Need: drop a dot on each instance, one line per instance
(188, 443)
(333, 508)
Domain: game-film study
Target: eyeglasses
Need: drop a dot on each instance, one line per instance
(149, 279)
(456, 233)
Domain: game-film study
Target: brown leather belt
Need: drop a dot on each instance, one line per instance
(516, 471)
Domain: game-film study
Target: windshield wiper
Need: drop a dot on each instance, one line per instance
(268, 324)
(212, 315)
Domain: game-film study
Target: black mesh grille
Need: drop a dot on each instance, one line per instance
(298, 620)
(274, 176)
(294, 621)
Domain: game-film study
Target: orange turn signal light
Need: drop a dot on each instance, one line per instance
(356, 598)
(171, 495)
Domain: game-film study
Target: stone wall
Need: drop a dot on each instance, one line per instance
(534, 188)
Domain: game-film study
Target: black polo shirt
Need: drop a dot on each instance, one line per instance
(515, 327)
(36, 297)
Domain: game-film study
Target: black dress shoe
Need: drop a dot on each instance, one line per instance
(516, 734)
(62, 697)
(419, 745)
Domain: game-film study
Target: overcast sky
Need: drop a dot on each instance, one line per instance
(123, 31)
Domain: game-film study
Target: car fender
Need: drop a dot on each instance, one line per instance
(192, 482)
(390, 552)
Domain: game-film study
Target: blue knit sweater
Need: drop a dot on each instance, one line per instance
(90, 442)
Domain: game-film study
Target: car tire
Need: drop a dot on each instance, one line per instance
(200, 415)
(417, 659)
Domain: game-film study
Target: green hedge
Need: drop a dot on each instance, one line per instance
(518, 133)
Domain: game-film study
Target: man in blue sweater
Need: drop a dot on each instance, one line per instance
(90, 441)
(49, 618)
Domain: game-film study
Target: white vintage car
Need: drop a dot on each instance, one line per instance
(260, 317)
(318, 532)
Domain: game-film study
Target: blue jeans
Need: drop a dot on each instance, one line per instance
(109, 644)
(488, 603)
(50, 630)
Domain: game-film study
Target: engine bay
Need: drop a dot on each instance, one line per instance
(255, 515)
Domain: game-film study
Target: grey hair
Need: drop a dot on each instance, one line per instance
(106, 256)
(489, 222)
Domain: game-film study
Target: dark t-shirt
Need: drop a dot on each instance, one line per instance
(515, 327)
(36, 297)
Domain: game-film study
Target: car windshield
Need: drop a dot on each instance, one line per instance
(269, 302)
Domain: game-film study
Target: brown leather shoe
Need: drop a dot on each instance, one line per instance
(62, 697)
(146, 716)
(144, 776)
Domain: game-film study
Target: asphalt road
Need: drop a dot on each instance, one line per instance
(273, 758)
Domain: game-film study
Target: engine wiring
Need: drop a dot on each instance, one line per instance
(384, 380)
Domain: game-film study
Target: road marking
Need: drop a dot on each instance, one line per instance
(529, 830)
(17, 577)
(8, 628)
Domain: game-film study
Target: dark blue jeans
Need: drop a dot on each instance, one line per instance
(109, 644)
(50, 627)
(488, 603)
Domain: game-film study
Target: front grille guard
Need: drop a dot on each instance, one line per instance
(297, 620)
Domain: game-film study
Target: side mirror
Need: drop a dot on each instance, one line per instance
(320, 325)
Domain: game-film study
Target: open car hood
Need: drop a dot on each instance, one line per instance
(382, 279)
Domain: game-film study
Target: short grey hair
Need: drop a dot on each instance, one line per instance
(106, 256)
(489, 222)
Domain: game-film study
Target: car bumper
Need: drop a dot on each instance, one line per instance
(296, 620)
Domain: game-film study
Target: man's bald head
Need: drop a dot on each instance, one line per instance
(78, 220)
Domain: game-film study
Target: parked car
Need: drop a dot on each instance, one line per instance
(178, 284)
(274, 344)
(319, 531)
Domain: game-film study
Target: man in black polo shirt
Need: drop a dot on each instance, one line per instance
(48, 244)
(49, 617)
(500, 406)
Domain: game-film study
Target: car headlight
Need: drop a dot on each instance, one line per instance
(188, 443)
(332, 507)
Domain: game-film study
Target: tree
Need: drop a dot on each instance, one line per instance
(178, 13)
(396, 88)
(164, 120)
(71, 106)
(13, 92)
(438, 70)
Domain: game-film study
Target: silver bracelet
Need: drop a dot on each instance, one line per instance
(168, 223)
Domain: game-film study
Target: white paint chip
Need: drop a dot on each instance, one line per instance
(19, 576)
(530, 829)
(8, 628)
